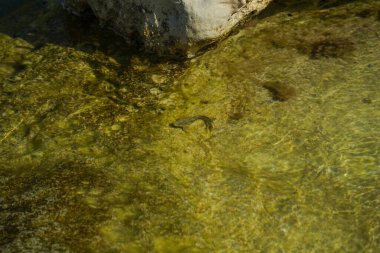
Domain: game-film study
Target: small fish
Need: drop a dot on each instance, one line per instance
(181, 123)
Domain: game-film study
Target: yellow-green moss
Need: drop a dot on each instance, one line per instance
(88, 161)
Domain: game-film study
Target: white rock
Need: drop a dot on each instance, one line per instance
(171, 26)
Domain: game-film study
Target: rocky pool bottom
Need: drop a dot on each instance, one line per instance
(89, 163)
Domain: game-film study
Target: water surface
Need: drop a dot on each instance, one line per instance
(88, 161)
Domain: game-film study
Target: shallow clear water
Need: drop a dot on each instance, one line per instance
(88, 161)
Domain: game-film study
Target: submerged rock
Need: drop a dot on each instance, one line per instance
(169, 26)
(89, 163)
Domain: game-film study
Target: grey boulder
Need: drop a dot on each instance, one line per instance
(175, 27)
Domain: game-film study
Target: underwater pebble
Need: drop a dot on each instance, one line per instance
(116, 127)
(84, 150)
(95, 192)
(27, 63)
(137, 64)
(154, 91)
(63, 124)
(280, 91)
(8, 112)
(81, 192)
(366, 100)
(122, 118)
(130, 109)
(139, 67)
(112, 60)
(16, 78)
(92, 202)
(171, 100)
(158, 79)
(123, 90)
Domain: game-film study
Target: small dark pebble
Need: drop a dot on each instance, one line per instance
(363, 14)
(366, 100)
(19, 67)
(331, 48)
(279, 91)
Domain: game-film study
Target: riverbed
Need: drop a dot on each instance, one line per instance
(90, 163)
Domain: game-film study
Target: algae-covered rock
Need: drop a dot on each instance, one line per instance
(89, 162)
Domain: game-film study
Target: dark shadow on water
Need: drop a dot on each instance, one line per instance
(6, 6)
(56, 26)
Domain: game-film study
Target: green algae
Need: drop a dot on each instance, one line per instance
(90, 164)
